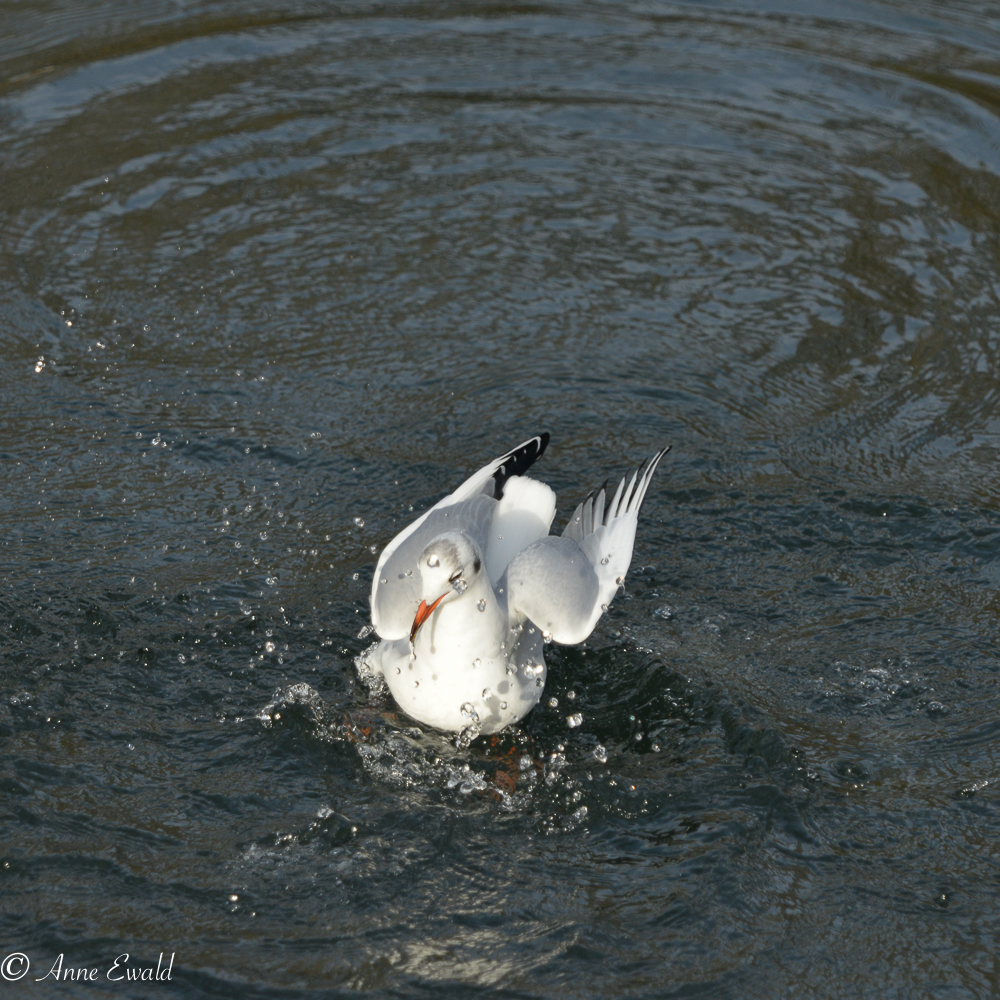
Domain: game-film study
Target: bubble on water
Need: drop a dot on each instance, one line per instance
(263, 536)
(271, 580)
(664, 611)
(574, 720)
(553, 702)
(600, 754)
(355, 576)
(976, 786)
(181, 658)
(524, 763)
(481, 604)
(268, 647)
(433, 560)
(935, 709)
(359, 521)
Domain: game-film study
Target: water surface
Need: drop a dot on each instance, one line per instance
(275, 277)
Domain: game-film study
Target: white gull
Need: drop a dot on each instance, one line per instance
(463, 598)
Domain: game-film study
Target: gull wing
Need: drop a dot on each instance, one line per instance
(523, 515)
(395, 595)
(564, 584)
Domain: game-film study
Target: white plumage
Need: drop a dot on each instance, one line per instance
(462, 597)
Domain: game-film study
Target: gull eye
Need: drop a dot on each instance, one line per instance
(476, 565)
(432, 560)
(455, 577)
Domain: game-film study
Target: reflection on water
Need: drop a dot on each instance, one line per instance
(273, 278)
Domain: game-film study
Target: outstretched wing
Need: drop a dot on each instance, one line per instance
(564, 584)
(395, 595)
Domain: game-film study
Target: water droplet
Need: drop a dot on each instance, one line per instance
(398, 671)
(604, 607)
(500, 537)
(620, 580)
(181, 658)
(359, 521)
(524, 763)
(469, 710)
(571, 695)
(605, 560)
(511, 669)
(553, 702)
(482, 604)
(477, 662)
(409, 572)
(600, 754)
(546, 636)
(416, 684)
(355, 576)
(383, 580)
(433, 560)
(487, 694)
(574, 720)
(503, 706)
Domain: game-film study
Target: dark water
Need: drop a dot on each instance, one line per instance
(266, 269)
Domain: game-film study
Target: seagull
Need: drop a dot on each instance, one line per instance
(464, 598)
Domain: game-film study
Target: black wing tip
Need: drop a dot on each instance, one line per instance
(652, 463)
(517, 462)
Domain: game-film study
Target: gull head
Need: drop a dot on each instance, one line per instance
(448, 564)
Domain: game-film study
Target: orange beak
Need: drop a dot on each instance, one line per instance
(424, 612)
